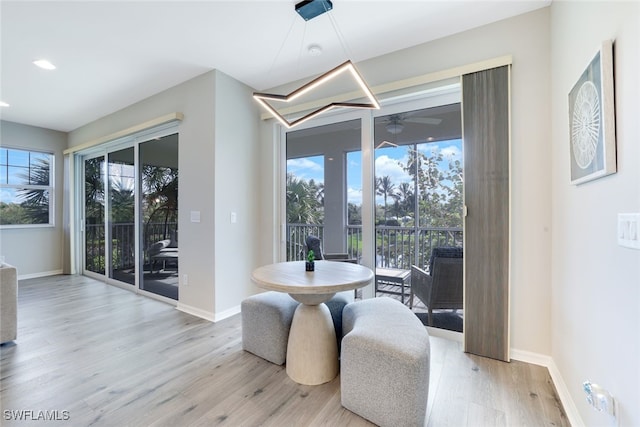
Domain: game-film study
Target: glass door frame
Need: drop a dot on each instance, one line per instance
(82, 209)
(102, 150)
(448, 93)
(366, 146)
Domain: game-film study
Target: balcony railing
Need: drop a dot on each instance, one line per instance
(396, 246)
(123, 238)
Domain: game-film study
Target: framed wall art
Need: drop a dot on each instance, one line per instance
(592, 119)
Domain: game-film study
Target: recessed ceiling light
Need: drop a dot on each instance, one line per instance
(3, 104)
(44, 64)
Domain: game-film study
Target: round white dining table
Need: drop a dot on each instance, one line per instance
(312, 350)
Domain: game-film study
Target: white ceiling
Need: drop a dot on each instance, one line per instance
(111, 54)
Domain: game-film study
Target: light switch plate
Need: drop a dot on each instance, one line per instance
(628, 232)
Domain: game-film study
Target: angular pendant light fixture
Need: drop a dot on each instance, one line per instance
(309, 9)
(347, 66)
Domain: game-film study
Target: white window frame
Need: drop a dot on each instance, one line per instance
(50, 188)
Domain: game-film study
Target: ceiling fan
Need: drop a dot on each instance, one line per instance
(395, 123)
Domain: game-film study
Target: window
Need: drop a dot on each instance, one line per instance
(26, 187)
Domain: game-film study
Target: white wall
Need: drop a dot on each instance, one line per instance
(595, 282)
(236, 178)
(215, 167)
(35, 251)
(530, 309)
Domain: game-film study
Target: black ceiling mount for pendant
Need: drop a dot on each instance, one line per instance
(309, 9)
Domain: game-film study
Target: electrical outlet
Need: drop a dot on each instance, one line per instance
(628, 232)
(601, 400)
(185, 280)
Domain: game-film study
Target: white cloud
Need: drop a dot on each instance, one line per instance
(304, 163)
(452, 153)
(387, 166)
(306, 169)
(354, 196)
(9, 196)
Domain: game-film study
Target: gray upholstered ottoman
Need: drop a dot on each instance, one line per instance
(384, 365)
(336, 305)
(266, 321)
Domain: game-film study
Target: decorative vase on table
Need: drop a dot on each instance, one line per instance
(310, 265)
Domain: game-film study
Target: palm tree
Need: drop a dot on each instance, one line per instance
(303, 206)
(425, 169)
(406, 195)
(318, 189)
(94, 191)
(122, 203)
(94, 214)
(385, 188)
(160, 188)
(36, 201)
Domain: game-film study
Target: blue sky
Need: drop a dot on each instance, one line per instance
(14, 170)
(387, 162)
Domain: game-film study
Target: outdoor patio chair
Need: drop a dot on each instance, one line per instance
(314, 243)
(162, 251)
(441, 288)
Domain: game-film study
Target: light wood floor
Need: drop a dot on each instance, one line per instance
(112, 358)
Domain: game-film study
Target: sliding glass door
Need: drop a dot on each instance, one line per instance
(94, 215)
(419, 212)
(130, 214)
(158, 191)
(121, 213)
(384, 190)
(321, 162)
(418, 185)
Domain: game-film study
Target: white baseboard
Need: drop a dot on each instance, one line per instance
(444, 333)
(530, 357)
(227, 313)
(569, 406)
(198, 312)
(37, 275)
(207, 315)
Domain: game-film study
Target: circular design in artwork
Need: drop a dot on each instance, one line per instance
(585, 124)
